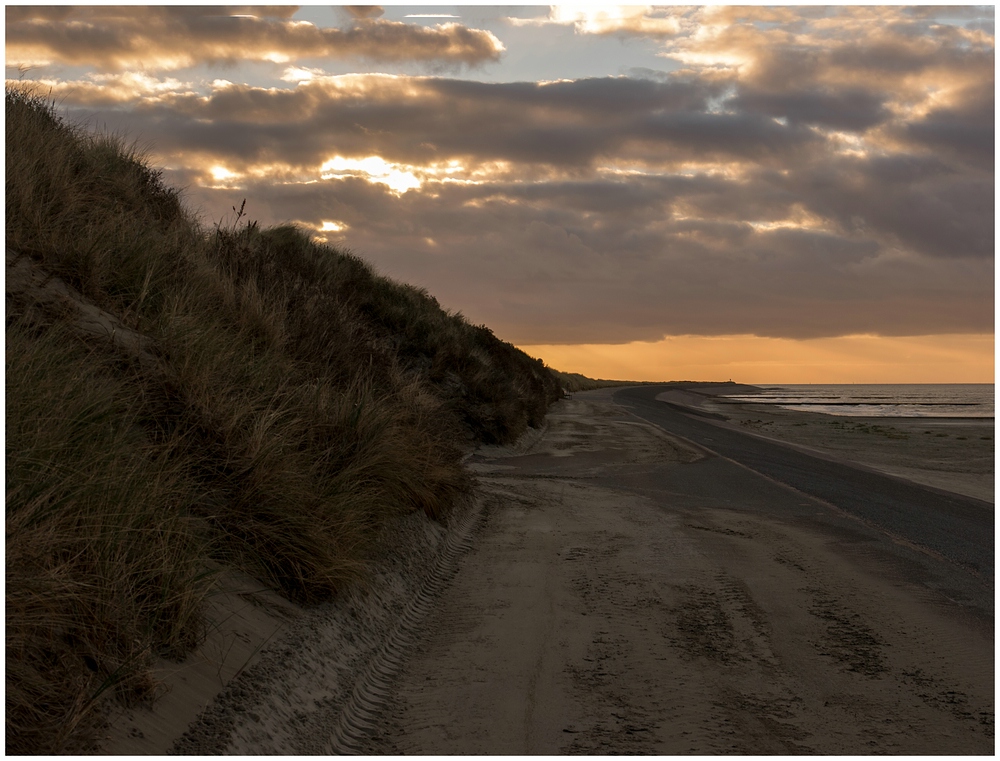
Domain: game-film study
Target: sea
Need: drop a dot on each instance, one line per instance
(908, 400)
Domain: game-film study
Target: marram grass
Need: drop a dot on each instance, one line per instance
(290, 400)
(102, 548)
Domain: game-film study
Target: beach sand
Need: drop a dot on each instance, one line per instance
(594, 613)
(954, 454)
(628, 595)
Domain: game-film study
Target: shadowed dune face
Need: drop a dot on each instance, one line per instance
(180, 398)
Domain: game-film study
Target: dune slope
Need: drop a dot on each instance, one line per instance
(183, 399)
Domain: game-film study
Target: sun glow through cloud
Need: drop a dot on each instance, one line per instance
(373, 169)
(221, 174)
(400, 178)
(589, 18)
(300, 74)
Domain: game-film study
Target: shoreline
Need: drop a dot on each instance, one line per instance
(954, 454)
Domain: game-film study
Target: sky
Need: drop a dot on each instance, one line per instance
(763, 194)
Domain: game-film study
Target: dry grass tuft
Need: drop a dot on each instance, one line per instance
(102, 553)
(573, 382)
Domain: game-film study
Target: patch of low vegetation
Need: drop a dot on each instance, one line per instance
(758, 423)
(237, 396)
(573, 382)
(888, 432)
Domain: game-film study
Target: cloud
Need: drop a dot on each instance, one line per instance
(15, 14)
(965, 130)
(364, 11)
(573, 125)
(113, 89)
(636, 21)
(84, 13)
(835, 164)
(170, 38)
(606, 260)
(847, 109)
(917, 203)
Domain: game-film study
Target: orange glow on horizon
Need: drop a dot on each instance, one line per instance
(965, 358)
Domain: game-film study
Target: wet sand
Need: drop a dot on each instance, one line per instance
(954, 454)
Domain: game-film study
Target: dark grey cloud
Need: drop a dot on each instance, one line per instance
(566, 124)
(966, 130)
(594, 97)
(725, 135)
(909, 51)
(917, 203)
(848, 109)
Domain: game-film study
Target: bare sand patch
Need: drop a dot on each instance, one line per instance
(585, 431)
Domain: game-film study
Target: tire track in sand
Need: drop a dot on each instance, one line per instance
(358, 718)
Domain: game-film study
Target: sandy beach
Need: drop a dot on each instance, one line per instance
(622, 591)
(631, 595)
